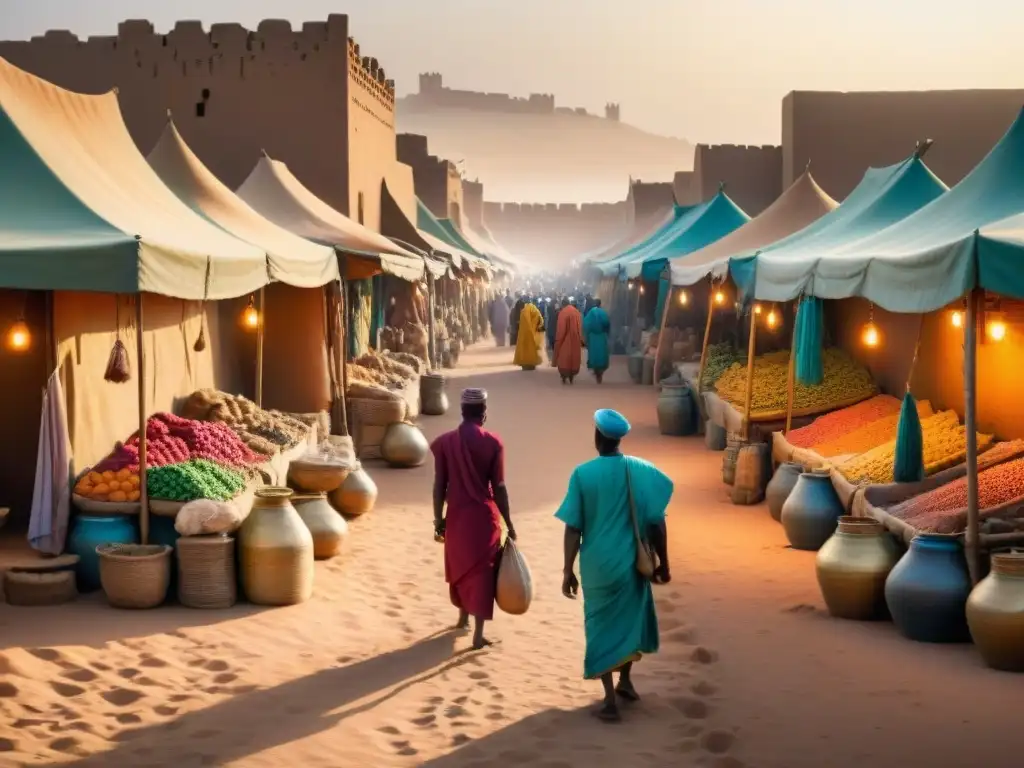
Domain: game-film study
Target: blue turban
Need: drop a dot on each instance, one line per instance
(611, 424)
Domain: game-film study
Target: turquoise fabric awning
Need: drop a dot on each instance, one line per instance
(699, 227)
(680, 213)
(885, 196)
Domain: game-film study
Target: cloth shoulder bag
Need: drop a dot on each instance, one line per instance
(645, 560)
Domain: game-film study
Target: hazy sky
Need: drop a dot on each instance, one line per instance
(707, 70)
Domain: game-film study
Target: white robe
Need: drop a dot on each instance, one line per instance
(51, 497)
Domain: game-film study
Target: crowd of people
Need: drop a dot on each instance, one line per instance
(560, 325)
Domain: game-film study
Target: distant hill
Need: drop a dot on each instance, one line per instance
(560, 157)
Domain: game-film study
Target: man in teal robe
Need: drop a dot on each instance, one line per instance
(596, 327)
(620, 623)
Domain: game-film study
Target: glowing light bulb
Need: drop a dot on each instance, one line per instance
(997, 330)
(683, 298)
(870, 336)
(772, 319)
(957, 318)
(251, 316)
(19, 339)
(641, 290)
(757, 309)
(719, 297)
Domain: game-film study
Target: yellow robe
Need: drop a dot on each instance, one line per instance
(529, 342)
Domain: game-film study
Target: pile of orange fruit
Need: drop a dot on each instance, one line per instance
(119, 486)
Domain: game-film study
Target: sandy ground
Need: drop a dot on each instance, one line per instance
(751, 673)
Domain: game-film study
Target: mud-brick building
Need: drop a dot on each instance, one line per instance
(309, 98)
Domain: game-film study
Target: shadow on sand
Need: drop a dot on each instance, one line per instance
(251, 723)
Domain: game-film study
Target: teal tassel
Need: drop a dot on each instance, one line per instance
(908, 466)
(809, 368)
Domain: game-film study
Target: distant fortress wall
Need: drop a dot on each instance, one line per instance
(438, 181)
(473, 204)
(752, 175)
(310, 98)
(433, 94)
(553, 234)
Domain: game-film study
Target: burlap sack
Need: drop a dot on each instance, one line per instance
(515, 584)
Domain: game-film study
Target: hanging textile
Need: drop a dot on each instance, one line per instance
(377, 308)
(360, 310)
(810, 327)
(51, 497)
(664, 286)
(908, 464)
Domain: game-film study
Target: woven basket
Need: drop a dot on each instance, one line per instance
(135, 575)
(33, 588)
(206, 572)
(380, 413)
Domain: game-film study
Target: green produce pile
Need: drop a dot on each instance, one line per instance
(721, 357)
(845, 381)
(191, 480)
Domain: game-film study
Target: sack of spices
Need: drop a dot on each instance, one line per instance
(515, 584)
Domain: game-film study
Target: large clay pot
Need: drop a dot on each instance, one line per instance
(995, 613)
(852, 567)
(276, 551)
(433, 395)
(635, 367)
(328, 528)
(357, 494)
(404, 445)
(647, 371)
(675, 410)
(89, 532)
(780, 486)
(927, 590)
(812, 511)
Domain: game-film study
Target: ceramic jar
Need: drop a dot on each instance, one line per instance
(852, 567)
(89, 532)
(433, 395)
(780, 486)
(357, 494)
(811, 512)
(327, 527)
(404, 445)
(635, 367)
(276, 551)
(675, 410)
(995, 613)
(927, 590)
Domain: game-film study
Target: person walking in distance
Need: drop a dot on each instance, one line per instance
(614, 515)
(469, 476)
(568, 347)
(500, 312)
(596, 326)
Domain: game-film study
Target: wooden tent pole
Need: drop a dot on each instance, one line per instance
(751, 349)
(707, 336)
(259, 346)
(140, 376)
(431, 342)
(971, 427)
(659, 354)
(791, 375)
(343, 286)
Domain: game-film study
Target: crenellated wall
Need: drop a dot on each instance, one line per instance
(473, 199)
(648, 199)
(438, 181)
(752, 175)
(553, 235)
(686, 187)
(308, 97)
(842, 134)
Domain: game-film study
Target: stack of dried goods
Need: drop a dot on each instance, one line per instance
(869, 436)
(837, 424)
(720, 358)
(945, 444)
(944, 509)
(845, 382)
(194, 479)
(109, 485)
(265, 432)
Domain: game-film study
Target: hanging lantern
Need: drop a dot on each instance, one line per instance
(772, 319)
(957, 318)
(629, 284)
(870, 335)
(719, 297)
(251, 315)
(995, 329)
(757, 309)
(19, 338)
(641, 290)
(683, 298)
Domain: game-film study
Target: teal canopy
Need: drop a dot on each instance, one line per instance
(885, 196)
(612, 266)
(447, 233)
(967, 238)
(699, 227)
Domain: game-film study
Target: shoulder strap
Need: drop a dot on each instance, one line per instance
(632, 503)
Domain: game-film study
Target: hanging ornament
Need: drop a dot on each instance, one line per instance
(118, 369)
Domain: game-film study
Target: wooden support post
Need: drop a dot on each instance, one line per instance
(659, 353)
(259, 346)
(431, 340)
(140, 376)
(751, 349)
(791, 376)
(707, 337)
(971, 427)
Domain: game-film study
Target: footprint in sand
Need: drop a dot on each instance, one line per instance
(127, 718)
(497, 716)
(680, 635)
(459, 739)
(68, 745)
(46, 654)
(692, 709)
(165, 711)
(122, 697)
(455, 711)
(404, 748)
(427, 721)
(152, 662)
(703, 655)
(8, 690)
(704, 688)
(479, 675)
(128, 674)
(8, 745)
(79, 675)
(225, 677)
(67, 690)
(216, 665)
(99, 666)
(717, 742)
(389, 730)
